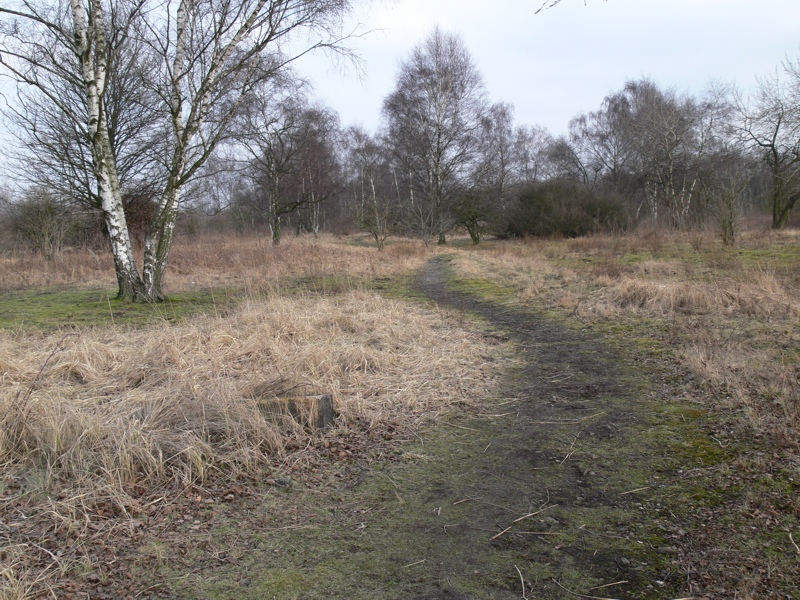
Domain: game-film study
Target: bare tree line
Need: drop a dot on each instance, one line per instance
(139, 112)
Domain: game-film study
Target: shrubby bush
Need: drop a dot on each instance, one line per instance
(563, 208)
(41, 221)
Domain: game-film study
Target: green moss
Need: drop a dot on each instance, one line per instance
(99, 308)
(485, 289)
(399, 287)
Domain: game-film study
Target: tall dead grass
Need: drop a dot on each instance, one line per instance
(111, 409)
(751, 292)
(95, 417)
(216, 260)
(733, 320)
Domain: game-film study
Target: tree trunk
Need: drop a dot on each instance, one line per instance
(276, 230)
(158, 243)
(781, 210)
(129, 284)
(90, 45)
(474, 230)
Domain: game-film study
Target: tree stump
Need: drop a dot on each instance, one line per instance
(312, 412)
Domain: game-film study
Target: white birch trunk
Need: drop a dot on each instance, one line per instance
(90, 46)
(158, 243)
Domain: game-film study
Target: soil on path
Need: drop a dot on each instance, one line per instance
(559, 488)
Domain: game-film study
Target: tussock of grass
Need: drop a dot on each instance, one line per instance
(759, 294)
(732, 314)
(118, 409)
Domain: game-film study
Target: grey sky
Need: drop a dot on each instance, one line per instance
(567, 59)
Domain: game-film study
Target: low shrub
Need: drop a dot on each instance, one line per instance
(559, 208)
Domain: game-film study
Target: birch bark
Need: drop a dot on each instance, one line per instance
(90, 46)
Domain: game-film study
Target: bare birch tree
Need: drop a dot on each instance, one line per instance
(53, 149)
(769, 123)
(531, 145)
(211, 54)
(495, 172)
(433, 120)
(292, 158)
(667, 138)
(375, 205)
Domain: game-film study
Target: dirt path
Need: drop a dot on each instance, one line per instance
(555, 489)
(574, 442)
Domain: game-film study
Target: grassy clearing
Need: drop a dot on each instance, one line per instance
(223, 262)
(104, 405)
(101, 402)
(207, 274)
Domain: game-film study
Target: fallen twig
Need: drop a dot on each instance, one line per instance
(608, 585)
(464, 500)
(419, 562)
(720, 443)
(582, 595)
(458, 426)
(534, 513)
(494, 537)
(522, 581)
(573, 422)
(507, 529)
(647, 487)
(508, 402)
(571, 448)
(793, 544)
(602, 597)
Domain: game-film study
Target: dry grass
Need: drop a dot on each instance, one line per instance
(757, 292)
(220, 261)
(732, 314)
(108, 408)
(87, 419)
(91, 418)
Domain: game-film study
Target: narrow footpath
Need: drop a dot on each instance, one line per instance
(561, 487)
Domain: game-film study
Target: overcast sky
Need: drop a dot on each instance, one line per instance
(565, 60)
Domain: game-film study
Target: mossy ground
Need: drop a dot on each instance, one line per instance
(581, 436)
(47, 310)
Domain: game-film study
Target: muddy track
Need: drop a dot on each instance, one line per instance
(550, 490)
(569, 439)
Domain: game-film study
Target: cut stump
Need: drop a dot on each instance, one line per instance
(312, 412)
